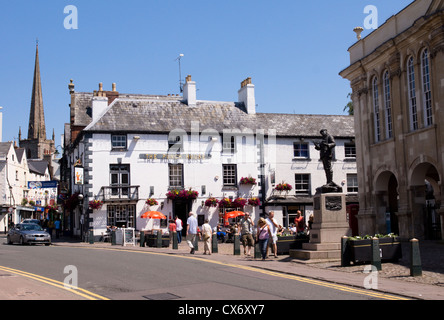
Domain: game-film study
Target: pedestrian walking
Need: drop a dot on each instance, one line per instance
(263, 234)
(50, 227)
(191, 231)
(246, 225)
(57, 225)
(179, 228)
(207, 234)
(172, 229)
(299, 221)
(273, 234)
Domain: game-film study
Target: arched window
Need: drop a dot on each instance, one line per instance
(413, 111)
(426, 88)
(388, 106)
(376, 109)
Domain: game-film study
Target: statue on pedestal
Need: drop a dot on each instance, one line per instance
(326, 147)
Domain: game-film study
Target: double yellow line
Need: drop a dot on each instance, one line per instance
(78, 291)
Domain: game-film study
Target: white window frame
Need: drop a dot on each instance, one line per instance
(352, 183)
(376, 109)
(426, 88)
(302, 186)
(119, 142)
(298, 150)
(413, 108)
(388, 106)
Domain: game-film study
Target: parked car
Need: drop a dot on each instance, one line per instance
(28, 233)
(35, 221)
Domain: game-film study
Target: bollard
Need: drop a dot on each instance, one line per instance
(415, 258)
(142, 238)
(236, 248)
(175, 244)
(345, 252)
(91, 236)
(113, 237)
(376, 254)
(214, 248)
(257, 251)
(196, 243)
(159, 239)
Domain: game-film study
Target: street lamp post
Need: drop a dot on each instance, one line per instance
(80, 197)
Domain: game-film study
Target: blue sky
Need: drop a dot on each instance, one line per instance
(292, 49)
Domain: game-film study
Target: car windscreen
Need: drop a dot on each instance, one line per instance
(30, 227)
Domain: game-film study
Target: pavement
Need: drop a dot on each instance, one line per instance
(394, 278)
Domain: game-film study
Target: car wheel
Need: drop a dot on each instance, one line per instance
(22, 241)
(8, 239)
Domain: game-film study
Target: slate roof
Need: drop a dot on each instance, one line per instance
(161, 114)
(38, 166)
(4, 148)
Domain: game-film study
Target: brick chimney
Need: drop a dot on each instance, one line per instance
(189, 92)
(246, 95)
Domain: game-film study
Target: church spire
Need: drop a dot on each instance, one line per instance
(36, 127)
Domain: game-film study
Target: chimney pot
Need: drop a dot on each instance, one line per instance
(189, 92)
(114, 87)
(247, 96)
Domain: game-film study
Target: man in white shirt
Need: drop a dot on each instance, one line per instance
(207, 234)
(179, 228)
(191, 231)
(273, 228)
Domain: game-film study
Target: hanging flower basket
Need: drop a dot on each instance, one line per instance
(72, 202)
(95, 204)
(172, 194)
(52, 208)
(189, 194)
(248, 181)
(152, 202)
(211, 202)
(226, 203)
(284, 187)
(254, 202)
(182, 194)
(239, 202)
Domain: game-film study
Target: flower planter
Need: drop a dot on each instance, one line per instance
(361, 250)
(248, 181)
(151, 240)
(287, 243)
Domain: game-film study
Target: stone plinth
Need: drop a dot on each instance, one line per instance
(329, 226)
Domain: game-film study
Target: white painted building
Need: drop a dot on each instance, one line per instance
(17, 198)
(124, 149)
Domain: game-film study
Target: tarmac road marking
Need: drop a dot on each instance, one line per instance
(78, 291)
(326, 284)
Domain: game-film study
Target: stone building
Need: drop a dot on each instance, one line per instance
(397, 78)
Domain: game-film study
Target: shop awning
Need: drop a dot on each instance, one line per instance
(31, 209)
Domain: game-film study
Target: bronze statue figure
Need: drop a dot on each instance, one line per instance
(326, 147)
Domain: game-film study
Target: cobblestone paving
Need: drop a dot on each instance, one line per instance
(432, 258)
